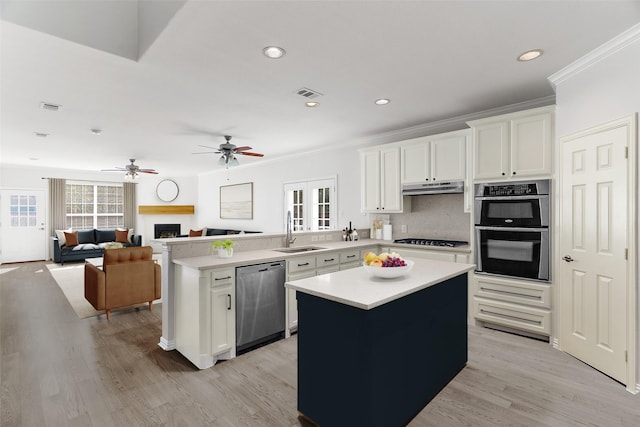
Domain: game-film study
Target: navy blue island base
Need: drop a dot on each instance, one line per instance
(379, 367)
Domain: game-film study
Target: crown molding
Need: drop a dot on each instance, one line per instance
(453, 123)
(618, 43)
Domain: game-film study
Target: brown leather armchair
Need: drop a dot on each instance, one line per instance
(128, 276)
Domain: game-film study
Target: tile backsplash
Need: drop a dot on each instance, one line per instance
(436, 216)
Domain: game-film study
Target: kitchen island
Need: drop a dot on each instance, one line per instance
(375, 351)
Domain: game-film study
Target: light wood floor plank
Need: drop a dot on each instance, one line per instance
(57, 369)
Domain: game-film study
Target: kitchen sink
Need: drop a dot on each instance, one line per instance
(298, 250)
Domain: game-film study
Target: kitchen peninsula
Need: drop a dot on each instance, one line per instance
(375, 351)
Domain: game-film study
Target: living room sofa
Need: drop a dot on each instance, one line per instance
(91, 244)
(221, 232)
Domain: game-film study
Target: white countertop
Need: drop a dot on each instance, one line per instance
(357, 288)
(241, 258)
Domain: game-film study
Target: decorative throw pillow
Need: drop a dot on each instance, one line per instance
(122, 236)
(129, 234)
(195, 233)
(60, 236)
(71, 238)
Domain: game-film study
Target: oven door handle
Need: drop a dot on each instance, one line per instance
(510, 229)
(523, 197)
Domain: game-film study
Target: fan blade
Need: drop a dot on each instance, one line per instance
(210, 148)
(247, 153)
(117, 169)
(207, 152)
(245, 148)
(147, 171)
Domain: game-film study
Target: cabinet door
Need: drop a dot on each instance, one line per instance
(415, 161)
(222, 319)
(448, 159)
(370, 181)
(391, 188)
(531, 145)
(491, 150)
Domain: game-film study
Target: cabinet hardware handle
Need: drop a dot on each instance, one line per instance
(329, 260)
(302, 265)
(229, 301)
(222, 278)
(503, 173)
(351, 256)
(433, 179)
(499, 291)
(568, 258)
(263, 269)
(513, 172)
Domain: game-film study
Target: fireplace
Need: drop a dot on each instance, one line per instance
(163, 231)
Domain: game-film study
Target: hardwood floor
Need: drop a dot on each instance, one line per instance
(59, 370)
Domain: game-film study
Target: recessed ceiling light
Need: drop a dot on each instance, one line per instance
(382, 101)
(273, 52)
(311, 104)
(529, 55)
(95, 131)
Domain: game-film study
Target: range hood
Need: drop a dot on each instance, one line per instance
(435, 188)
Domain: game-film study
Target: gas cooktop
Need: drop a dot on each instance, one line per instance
(431, 242)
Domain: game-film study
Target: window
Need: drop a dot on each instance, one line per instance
(313, 205)
(23, 210)
(94, 206)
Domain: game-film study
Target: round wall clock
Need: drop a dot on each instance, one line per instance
(167, 190)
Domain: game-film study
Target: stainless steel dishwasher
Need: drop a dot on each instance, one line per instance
(260, 304)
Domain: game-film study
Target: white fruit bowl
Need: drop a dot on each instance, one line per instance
(389, 272)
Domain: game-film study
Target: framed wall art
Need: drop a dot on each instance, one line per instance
(236, 201)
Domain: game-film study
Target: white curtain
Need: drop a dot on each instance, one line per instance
(57, 204)
(129, 195)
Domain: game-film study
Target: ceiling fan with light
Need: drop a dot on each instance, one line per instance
(131, 170)
(229, 151)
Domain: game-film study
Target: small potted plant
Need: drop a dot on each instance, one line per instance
(224, 247)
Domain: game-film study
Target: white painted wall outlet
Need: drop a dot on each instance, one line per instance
(403, 228)
(314, 238)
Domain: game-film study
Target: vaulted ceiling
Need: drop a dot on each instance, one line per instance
(161, 78)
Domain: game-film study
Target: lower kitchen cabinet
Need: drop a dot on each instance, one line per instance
(515, 304)
(439, 255)
(205, 314)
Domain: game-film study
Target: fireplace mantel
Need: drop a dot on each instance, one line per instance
(166, 209)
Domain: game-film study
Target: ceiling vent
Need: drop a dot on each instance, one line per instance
(41, 134)
(308, 93)
(49, 106)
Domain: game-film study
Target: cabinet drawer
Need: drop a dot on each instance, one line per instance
(348, 265)
(328, 269)
(533, 294)
(350, 256)
(301, 264)
(300, 275)
(516, 316)
(328, 259)
(223, 277)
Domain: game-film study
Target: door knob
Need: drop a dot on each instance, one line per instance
(567, 258)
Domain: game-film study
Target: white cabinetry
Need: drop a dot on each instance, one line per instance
(516, 304)
(380, 179)
(513, 145)
(205, 314)
(434, 158)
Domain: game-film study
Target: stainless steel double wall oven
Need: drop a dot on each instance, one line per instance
(512, 223)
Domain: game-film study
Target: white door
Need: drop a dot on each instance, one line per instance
(23, 225)
(593, 246)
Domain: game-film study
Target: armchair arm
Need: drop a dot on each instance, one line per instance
(157, 280)
(94, 286)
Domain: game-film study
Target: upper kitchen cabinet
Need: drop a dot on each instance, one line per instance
(513, 145)
(434, 158)
(380, 179)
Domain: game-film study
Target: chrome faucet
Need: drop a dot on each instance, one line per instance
(290, 239)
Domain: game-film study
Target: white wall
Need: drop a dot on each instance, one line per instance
(605, 91)
(268, 178)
